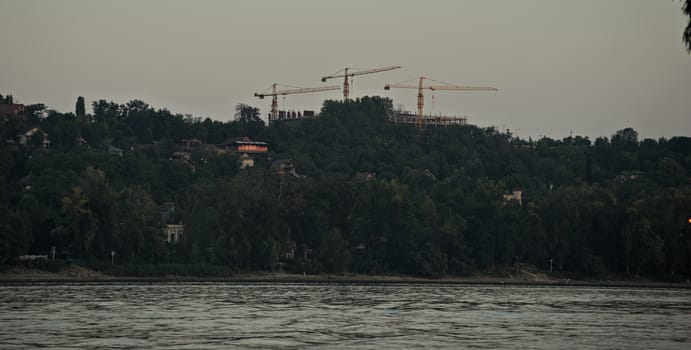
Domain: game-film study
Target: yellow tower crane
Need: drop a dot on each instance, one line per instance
(442, 87)
(292, 90)
(351, 72)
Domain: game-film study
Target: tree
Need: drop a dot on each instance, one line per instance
(106, 112)
(430, 261)
(247, 118)
(80, 226)
(88, 215)
(80, 108)
(15, 235)
(246, 113)
(334, 252)
(37, 139)
(137, 234)
(687, 32)
(34, 112)
(625, 137)
(643, 247)
(8, 99)
(135, 106)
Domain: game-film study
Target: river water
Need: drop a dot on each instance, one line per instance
(375, 316)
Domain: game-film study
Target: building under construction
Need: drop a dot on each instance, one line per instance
(275, 114)
(291, 115)
(421, 118)
(407, 117)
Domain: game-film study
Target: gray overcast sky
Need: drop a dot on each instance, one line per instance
(587, 66)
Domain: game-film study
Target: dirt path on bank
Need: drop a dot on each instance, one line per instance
(78, 274)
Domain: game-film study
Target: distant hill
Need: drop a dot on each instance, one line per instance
(346, 191)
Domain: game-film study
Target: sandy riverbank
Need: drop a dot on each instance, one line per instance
(78, 274)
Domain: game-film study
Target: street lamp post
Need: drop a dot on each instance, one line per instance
(550, 265)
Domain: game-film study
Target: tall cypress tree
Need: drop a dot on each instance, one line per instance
(80, 109)
(687, 32)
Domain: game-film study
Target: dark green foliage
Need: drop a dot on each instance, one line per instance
(8, 99)
(687, 32)
(248, 121)
(368, 196)
(80, 108)
(430, 261)
(334, 252)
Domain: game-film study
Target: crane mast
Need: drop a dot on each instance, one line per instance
(442, 87)
(349, 72)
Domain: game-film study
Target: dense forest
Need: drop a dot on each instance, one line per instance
(365, 195)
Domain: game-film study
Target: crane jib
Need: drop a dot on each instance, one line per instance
(350, 72)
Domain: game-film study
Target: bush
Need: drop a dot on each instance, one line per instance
(430, 261)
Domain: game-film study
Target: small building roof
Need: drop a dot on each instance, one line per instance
(32, 131)
(242, 141)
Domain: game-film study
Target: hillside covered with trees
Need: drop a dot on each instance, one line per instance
(366, 195)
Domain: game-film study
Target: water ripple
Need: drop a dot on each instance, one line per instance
(385, 316)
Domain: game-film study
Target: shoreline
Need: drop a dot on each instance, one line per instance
(80, 275)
